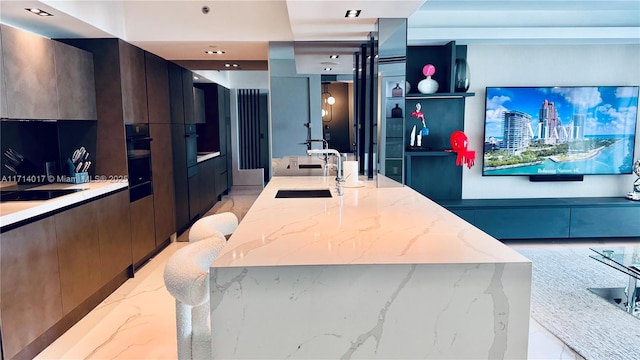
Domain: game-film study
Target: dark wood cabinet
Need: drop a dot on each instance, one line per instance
(220, 175)
(114, 232)
(75, 82)
(181, 185)
(29, 89)
(187, 96)
(111, 155)
(31, 296)
(176, 100)
(133, 82)
(163, 183)
(157, 77)
(143, 241)
(78, 253)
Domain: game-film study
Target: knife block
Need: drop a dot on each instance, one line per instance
(74, 177)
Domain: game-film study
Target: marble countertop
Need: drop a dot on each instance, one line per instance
(12, 212)
(206, 156)
(367, 225)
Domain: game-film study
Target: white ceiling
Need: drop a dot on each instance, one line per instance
(179, 30)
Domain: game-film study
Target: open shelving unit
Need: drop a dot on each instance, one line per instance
(430, 169)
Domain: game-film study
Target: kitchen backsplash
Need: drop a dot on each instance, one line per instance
(42, 142)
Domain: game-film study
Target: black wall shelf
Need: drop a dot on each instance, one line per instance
(418, 96)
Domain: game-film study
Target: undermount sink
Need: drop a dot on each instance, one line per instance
(303, 193)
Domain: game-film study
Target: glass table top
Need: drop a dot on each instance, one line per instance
(622, 258)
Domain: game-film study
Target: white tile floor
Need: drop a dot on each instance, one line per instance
(138, 320)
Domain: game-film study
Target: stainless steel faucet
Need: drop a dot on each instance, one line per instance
(325, 152)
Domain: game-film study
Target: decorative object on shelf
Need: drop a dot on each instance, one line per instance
(462, 75)
(416, 136)
(428, 85)
(407, 86)
(459, 143)
(327, 103)
(396, 112)
(396, 91)
(635, 194)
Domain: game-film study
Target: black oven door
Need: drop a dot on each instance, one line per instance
(139, 161)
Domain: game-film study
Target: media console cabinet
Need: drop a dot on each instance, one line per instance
(550, 218)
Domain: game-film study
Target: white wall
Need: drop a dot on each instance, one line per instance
(543, 65)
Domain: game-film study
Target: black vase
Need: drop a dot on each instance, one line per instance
(461, 80)
(396, 112)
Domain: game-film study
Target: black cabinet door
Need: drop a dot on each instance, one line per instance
(181, 185)
(163, 181)
(133, 82)
(29, 75)
(76, 83)
(176, 100)
(524, 223)
(187, 96)
(143, 239)
(157, 77)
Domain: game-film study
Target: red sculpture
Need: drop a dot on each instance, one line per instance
(459, 143)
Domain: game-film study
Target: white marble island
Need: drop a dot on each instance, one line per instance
(376, 273)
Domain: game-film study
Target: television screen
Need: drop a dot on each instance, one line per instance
(582, 130)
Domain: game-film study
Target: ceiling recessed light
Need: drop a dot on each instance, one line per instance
(211, 52)
(352, 13)
(196, 78)
(227, 65)
(334, 56)
(235, 65)
(38, 12)
(327, 69)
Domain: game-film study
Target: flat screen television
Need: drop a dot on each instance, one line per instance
(559, 131)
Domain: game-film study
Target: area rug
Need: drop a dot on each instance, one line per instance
(562, 303)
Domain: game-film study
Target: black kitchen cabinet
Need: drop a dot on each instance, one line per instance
(157, 77)
(29, 89)
(75, 82)
(220, 175)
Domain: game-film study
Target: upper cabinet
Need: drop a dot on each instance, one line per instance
(76, 83)
(134, 84)
(44, 79)
(187, 93)
(29, 75)
(157, 74)
(181, 95)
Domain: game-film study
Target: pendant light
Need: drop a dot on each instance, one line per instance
(327, 103)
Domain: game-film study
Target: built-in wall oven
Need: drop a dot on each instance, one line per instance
(139, 161)
(191, 143)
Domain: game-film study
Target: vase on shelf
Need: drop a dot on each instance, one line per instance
(407, 86)
(428, 85)
(396, 112)
(462, 74)
(396, 91)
